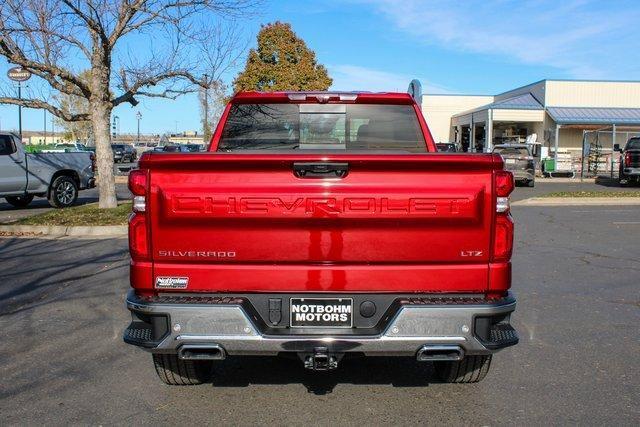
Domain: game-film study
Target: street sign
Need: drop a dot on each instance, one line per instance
(415, 90)
(18, 74)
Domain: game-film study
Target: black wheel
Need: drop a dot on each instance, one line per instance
(63, 192)
(20, 201)
(471, 369)
(174, 371)
(531, 183)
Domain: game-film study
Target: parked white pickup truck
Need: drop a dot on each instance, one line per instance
(73, 147)
(56, 176)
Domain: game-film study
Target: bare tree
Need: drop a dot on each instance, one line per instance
(127, 48)
(212, 99)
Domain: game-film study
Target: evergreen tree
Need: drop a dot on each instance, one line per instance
(282, 61)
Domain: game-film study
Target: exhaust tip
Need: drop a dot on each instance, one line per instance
(431, 353)
(201, 352)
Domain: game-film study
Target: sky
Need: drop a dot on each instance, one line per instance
(467, 47)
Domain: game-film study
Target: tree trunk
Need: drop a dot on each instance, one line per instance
(100, 119)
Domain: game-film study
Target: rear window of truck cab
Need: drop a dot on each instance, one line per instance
(322, 126)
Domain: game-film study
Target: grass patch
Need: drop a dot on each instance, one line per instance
(80, 215)
(37, 148)
(613, 194)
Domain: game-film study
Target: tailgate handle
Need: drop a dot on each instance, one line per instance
(320, 170)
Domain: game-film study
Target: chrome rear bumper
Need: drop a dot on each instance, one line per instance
(228, 325)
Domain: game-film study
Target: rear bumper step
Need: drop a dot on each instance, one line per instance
(426, 328)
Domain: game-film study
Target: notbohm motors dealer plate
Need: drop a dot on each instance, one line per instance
(321, 312)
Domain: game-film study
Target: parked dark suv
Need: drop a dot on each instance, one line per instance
(518, 160)
(629, 162)
(124, 153)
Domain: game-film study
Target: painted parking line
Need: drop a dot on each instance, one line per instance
(626, 223)
(604, 210)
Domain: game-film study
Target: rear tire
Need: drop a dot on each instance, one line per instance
(471, 369)
(20, 201)
(174, 371)
(531, 183)
(64, 192)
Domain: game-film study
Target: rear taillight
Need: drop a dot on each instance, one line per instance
(138, 182)
(503, 238)
(627, 159)
(138, 242)
(138, 237)
(93, 162)
(503, 227)
(503, 183)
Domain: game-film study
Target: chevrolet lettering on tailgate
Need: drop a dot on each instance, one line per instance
(301, 207)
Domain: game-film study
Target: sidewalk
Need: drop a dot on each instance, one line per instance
(60, 231)
(578, 201)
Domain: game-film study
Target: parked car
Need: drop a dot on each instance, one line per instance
(74, 147)
(629, 170)
(56, 176)
(181, 148)
(288, 238)
(447, 147)
(194, 148)
(519, 161)
(124, 153)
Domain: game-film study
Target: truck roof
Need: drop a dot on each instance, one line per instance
(323, 97)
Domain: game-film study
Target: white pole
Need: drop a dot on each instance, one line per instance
(489, 132)
(613, 143)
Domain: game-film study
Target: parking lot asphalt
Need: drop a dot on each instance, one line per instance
(575, 272)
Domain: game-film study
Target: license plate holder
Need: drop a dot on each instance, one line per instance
(321, 312)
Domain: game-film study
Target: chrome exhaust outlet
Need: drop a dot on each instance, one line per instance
(431, 353)
(201, 352)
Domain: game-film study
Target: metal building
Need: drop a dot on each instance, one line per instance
(559, 112)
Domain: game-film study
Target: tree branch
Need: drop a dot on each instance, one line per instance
(36, 103)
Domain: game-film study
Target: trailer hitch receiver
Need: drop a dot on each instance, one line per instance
(320, 360)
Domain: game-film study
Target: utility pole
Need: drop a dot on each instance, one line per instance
(116, 126)
(20, 111)
(138, 116)
(205, 129)
(45, 125)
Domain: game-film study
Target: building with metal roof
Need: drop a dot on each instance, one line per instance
(559, 112)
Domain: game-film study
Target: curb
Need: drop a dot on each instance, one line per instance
(563, 180)
(57, 230)
(578, 201)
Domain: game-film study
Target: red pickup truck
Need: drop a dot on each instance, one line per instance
(324, 225)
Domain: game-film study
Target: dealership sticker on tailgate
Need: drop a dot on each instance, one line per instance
(321, 312)
(172, 282)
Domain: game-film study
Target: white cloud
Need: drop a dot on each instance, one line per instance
(585, 38)
(354, 77)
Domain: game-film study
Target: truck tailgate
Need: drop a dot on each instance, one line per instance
(394, 223)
